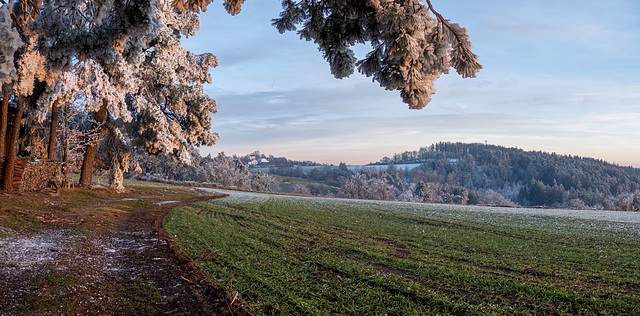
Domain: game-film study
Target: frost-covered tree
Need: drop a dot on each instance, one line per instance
(118, 157)
(628, 202)
(299, 188)
(95, 30)
(261, 182)
(154, 98)
(27, 81)
(10, 41)
(122, 62)
(103, 97)
(171, 109)
(167, 110)
(226, 171)
(365, 186)
(105, 37)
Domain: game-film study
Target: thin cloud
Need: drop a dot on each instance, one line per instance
(558, 76)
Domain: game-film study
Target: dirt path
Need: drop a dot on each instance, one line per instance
(128, 267)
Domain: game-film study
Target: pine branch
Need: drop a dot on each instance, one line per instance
(442, 20)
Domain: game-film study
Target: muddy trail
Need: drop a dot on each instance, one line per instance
(127, 265)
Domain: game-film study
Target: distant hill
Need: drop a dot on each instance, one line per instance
(529, 178)
(445, 172)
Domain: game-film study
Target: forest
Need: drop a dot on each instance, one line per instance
(526, 178)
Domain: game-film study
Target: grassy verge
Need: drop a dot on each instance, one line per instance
(81, 208)
(294, 255)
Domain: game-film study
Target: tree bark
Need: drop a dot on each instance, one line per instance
(51, 150)
(92, 147)
(119, 164)
(4, 120)
(7, 184)
(65, 140)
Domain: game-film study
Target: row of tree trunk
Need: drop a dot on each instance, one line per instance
(9, 145)
(10, 134)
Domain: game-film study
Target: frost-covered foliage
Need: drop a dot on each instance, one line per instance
(9, 42)
(95, 29)
(411, 48)
(31, 68)
(89, 84)
(261, 182)
(171, 107)
(628, 202)
(226, 171)
(232, 6)
(300, 189)
(363, 186)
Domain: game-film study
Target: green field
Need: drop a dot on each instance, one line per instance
(312, 256)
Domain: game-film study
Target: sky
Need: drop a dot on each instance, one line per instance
(559, 76)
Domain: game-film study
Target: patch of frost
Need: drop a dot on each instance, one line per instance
(166, 202)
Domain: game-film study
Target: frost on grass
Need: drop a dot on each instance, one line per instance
(580, 223)
(35, 265)
(25, 251)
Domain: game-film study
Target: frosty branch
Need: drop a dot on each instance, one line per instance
(411, 49)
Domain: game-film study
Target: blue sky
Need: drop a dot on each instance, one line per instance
(559, 76)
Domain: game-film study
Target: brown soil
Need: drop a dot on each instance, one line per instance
(122, 263)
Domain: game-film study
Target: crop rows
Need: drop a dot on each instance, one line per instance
(298, 255)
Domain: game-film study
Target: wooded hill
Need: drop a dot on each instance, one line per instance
(528, 178)
(446, 172)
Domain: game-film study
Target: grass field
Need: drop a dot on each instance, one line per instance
(311, 256)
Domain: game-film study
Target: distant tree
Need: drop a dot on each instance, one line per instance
(226, 171)
(368, 186)
(300, 189)
(628, 202)
(407, 193)
(576, 204)
(491, 197)
(355, 187)
(261, 182)
(422, 192)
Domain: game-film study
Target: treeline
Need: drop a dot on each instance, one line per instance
(220, 171)
(529, 178)
(454, 173)
(487, 174)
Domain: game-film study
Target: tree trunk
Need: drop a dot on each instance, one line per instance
(65, 140)
(119, 154)
(4, 120)
(119, 164)
(92, 147)
(51, 152)
(7, 184)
